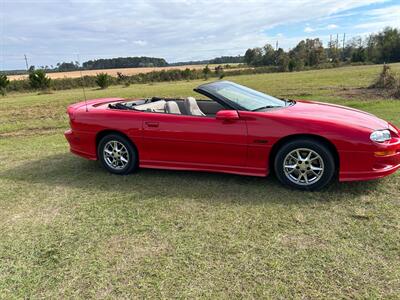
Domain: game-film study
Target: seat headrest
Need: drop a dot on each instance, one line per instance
(171, 107)
(192, 108)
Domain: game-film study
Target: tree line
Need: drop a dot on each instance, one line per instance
(215, 61)
(124, 62)
(382, 47)
(107, 63)
(132, 62)
(138, 62)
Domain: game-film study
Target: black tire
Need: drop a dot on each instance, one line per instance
(121, 168)
(299, 173)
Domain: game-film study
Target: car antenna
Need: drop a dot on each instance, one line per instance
(83, 82)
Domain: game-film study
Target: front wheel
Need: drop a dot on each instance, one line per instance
(305, 164)
(117, 154)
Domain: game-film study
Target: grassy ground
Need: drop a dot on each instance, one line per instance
(69, 229)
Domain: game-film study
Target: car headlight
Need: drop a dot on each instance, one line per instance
(380, 136)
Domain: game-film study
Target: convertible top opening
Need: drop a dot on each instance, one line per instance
(178, 106)
(223, 95)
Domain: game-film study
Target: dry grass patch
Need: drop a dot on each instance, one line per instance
(302, 242)
(364, 94)
(111, 72)
(127, 250)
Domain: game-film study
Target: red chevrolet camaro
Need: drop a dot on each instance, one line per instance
(236, 130)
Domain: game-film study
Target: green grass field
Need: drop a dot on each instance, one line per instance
(68, 229)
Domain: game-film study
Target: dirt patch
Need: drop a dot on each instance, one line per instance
(30, 132)
(364, 94)
(33, 112)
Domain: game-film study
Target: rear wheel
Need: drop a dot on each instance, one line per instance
(305, 164)
(117, 154)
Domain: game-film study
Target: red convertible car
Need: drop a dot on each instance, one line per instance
(236, 130)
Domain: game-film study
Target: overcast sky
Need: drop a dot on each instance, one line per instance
(52, 31)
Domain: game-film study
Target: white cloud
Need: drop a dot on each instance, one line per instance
(140, 43)
(381, 17)
(332, 26)
(309, 29)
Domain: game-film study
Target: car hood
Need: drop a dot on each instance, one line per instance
(335, 113)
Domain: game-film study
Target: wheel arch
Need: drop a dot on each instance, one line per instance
(282, 141)
(106, 132)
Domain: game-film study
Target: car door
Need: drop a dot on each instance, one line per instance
(193, 139)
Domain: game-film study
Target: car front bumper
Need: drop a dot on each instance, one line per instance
(382, 162)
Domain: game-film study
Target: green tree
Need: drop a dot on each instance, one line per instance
(332, 52)
(296, 64)
(299, 53)
(103, 80)
(351, 47)
(219, 71)
(38, 80)
(206, 72)
(4, 82)
(65, 66)
(268, 57)
(186, 74)
(308, 53)
(359, 55)
(249, 56)
(254, 57)
(282, 60)
(384, 46)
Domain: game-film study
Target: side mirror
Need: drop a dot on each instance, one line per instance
(227, 115)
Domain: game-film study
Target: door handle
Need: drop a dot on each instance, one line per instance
(152, 124)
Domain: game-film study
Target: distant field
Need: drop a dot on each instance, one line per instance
(68, 229)
(113, 72)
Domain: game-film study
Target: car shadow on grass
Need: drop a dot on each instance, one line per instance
(69, 171)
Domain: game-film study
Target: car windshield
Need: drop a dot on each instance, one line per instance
(247, 98)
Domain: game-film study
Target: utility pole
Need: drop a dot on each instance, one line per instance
(276, 47)
(344, 39)
(26, 63)
(337, 41)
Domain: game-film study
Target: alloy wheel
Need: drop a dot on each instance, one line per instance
(303, 166)
(115, 155)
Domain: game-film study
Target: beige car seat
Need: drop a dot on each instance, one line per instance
(158, 106)
(192, 108)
